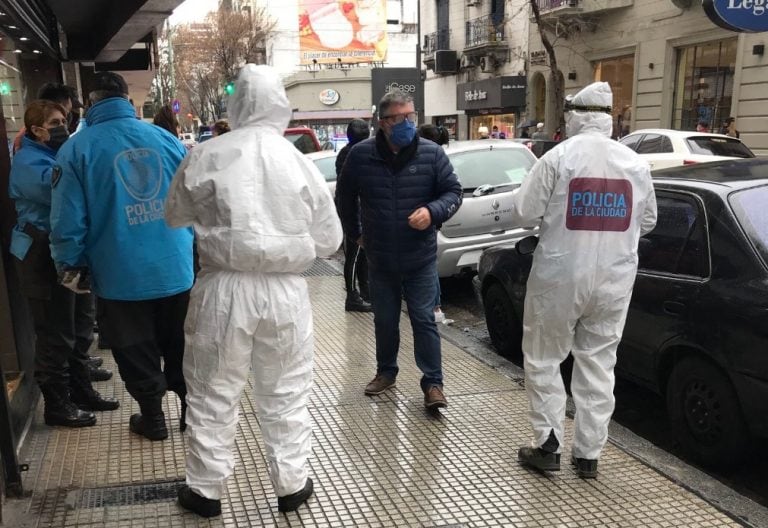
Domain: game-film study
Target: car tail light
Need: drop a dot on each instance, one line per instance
(689, 162)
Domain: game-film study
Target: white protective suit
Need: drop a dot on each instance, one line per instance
(261, 212)
(592, 198)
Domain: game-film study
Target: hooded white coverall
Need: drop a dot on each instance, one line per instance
(261, 212)
(592, 198)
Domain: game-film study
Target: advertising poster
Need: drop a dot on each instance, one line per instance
(351, 30)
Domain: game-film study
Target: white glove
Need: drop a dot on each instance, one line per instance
(70, 279)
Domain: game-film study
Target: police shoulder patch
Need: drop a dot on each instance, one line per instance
(55, 176)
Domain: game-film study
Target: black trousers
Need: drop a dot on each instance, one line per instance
(142, 333)
(64, 333)
(355, 268)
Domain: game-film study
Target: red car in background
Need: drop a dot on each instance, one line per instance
(303, 139)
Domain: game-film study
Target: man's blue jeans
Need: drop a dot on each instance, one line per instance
(419, 288)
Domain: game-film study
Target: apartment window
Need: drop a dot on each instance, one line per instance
(619, 72)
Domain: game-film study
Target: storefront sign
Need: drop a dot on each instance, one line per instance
(329, 97)
(538, 57)
(749, 16)
(407, 80)
(499, 92)
(475, 95)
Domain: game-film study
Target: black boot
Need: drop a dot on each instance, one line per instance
(59, 409)
(85, 397)
(586, 468)
(99, 374)
(543, 458)
(151, 426)
(198, 504)
(289, 503)
(355, 303)
(95, 361)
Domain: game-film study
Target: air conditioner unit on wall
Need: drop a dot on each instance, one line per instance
(446, 61)
(573, 3)
(473, 3)
(488, 64)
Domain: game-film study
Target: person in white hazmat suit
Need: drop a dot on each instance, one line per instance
(261, 212)
(592, 199)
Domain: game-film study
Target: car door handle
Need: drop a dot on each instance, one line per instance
(673, 308)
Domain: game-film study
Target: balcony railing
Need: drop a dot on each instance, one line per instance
(487, 29)
(546, 5)
(439, 40)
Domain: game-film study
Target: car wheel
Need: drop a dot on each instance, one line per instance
(705, 414)
(503, 325)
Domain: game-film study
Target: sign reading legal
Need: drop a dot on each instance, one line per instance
(747, 16)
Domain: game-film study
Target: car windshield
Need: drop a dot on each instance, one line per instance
(327, 166)
(750, 209)
(718, 146)
(491, 167)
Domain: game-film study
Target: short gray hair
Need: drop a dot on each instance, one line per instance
(394, 97)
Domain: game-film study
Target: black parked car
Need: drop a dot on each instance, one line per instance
(697, 329)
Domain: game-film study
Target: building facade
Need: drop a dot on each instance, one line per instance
(669, 65)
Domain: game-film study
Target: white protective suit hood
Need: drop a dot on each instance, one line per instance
(592, 112)
(259, 100)
(256, 203)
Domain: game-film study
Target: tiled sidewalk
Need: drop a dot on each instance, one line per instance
(378, 461)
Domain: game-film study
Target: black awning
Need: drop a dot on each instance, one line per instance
(34, 20)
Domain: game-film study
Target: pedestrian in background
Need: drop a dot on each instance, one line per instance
(540, 133)
(355, 261)
(63, 320)
(166, 119)
(262, 212)
(395, 188)
(729, 128)
(220, 127)
(107, 219)
(581, 280)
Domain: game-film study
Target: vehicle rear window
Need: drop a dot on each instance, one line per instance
(718, 146)
(752, 213)
(328, 167)
(303, 142)
(491, 167)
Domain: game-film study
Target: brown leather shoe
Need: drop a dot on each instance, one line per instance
(378, 385)
(434, 398)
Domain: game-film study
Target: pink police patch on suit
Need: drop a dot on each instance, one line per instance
(599, 204)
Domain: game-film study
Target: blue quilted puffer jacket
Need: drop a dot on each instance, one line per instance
(390, 187)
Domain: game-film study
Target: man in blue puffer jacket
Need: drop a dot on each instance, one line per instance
(406, 186)
(107, 217)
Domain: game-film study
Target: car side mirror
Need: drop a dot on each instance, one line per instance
(527, 245)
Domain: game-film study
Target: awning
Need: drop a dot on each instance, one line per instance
(331, 114)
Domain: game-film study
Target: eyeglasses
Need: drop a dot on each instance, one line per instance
(399, 118)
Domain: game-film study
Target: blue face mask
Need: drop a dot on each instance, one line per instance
(402, 134)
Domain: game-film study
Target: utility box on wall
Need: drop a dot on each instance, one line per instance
(446, 61)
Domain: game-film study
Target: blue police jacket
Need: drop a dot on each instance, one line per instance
(30, 187)
(107, 211)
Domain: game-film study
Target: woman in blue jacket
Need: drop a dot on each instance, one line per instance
(63, 320)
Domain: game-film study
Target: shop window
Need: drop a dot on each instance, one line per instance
(704, 84)
(500, 126)
(619, 72)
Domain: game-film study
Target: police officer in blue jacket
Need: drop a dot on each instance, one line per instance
(107, 219)
(63, 321)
